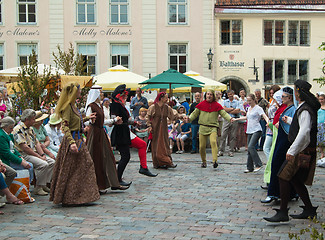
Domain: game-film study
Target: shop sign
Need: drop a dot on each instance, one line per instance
(20, 32)
(92, 32)
(231, 63)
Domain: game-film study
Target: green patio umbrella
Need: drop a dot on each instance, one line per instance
(171, 79)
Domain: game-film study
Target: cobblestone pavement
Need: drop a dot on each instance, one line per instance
(183, 203)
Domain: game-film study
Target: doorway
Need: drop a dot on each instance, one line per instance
(235, 83)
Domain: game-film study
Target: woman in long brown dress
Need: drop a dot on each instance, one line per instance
(74, 178)
(99, 146)
(157, 121)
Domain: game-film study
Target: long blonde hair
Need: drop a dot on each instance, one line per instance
(68, 96)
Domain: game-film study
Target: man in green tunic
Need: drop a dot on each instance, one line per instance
(208, 112)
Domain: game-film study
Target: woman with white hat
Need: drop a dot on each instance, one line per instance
(53, 129)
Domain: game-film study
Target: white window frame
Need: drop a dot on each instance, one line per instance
(87, 4)
(89, 55)
(231, 31)
(286, 71)
(274, 32)
(119, 4)
(119, 56)
(27, 12)
(178, 55)
(298, 69)
(177, 4)
(32, 46)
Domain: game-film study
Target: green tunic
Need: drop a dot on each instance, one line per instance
(267, 171)
(208, 121)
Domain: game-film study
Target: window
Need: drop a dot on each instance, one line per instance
(296, 67)
(178, 57)
(293, 32)
(298, 33)
(304, 33)
(119, 11)
(1, 57)
(177, 11)
(26, 11)
(279, 71)
(86, 12)
(231, 32)
(0, 11)
(24, 52)
(273, 71)
(88, 52)
(292, 71)
(268, 71)
(120, 55)
(274, 32)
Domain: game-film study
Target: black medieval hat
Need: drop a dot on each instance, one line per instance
(303, 88)
(120, 90)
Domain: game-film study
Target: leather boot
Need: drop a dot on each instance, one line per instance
(146, 171)
(280, 216)
(306, 213)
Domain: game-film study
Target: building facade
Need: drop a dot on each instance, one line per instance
(281, 41)
(147, 36)
(150, 36)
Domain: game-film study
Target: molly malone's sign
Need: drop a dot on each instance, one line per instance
(20, 32)
(92, 32)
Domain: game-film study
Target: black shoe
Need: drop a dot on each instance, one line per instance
(265, 187)
(203, 165)
(306, 213)
(193, 152)
(280, 216)
(215, 165)
(120, 187)
(145, 171)
(268, 199)
(122, 183)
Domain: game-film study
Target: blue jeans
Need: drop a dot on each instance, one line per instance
(253, 157)
(195, 130)
(3, 184)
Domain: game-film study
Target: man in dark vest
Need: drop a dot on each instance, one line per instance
(302, 134)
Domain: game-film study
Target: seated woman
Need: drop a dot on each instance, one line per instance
(9, 155)
(141, 130)
(5, 190)
(53, 129)
(41, 133)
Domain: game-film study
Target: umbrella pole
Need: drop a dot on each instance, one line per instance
(170, 90)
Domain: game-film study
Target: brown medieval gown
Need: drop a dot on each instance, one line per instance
(157, 119)
(101, 151)
(74, 178)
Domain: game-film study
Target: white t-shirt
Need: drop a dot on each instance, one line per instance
(253, 119)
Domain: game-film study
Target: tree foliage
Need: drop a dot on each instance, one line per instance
(321, 80)
(33, 88)
(70, 62)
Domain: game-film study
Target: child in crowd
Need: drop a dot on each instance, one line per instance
(183, 135)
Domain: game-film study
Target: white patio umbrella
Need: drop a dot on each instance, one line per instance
(116, 76)
(208, 83)
(11, 74)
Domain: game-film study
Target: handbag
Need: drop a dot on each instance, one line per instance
(303, 160)
(20, 186)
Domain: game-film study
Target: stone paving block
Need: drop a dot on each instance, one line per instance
(184, 203)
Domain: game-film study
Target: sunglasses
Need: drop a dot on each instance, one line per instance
(284, 96)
